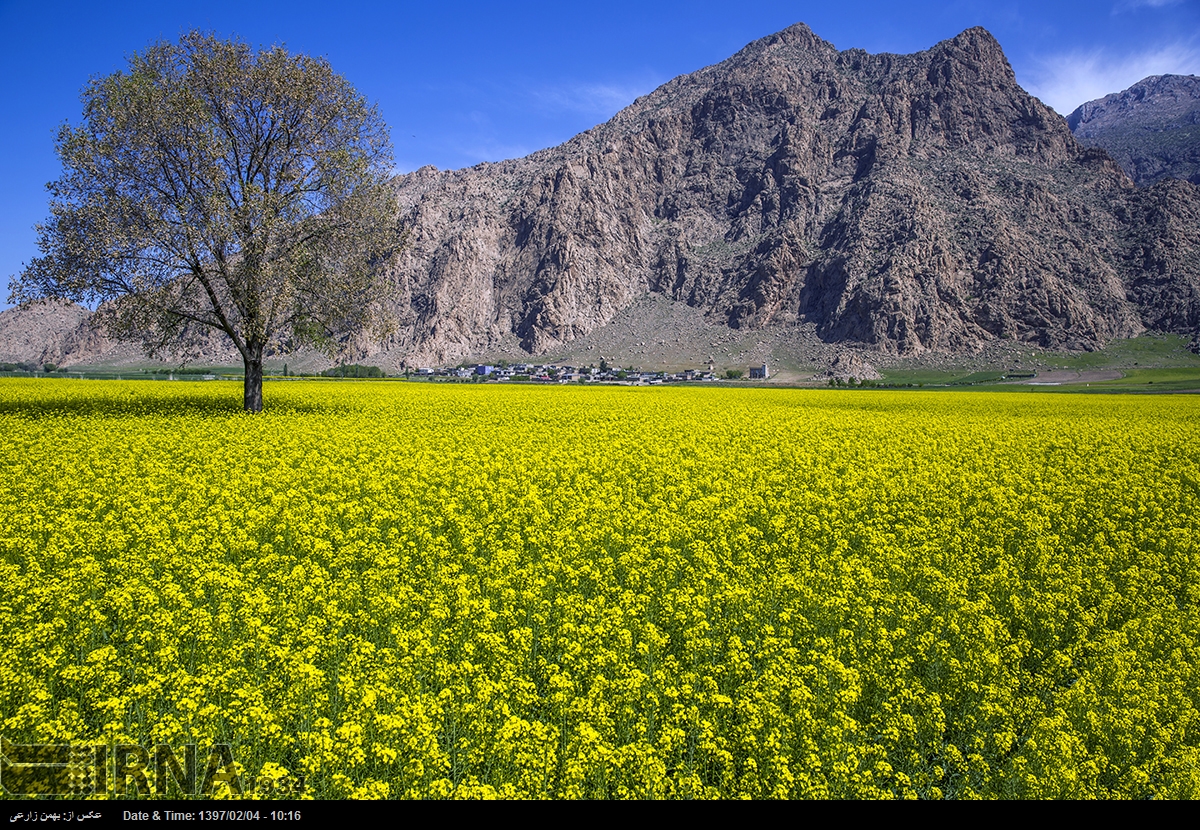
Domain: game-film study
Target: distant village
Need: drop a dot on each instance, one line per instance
(551, 373)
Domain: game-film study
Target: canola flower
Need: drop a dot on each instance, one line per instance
(413, 591)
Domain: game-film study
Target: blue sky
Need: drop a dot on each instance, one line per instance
(461, 83)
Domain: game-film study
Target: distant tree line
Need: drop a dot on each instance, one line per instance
(353, 370)
(27, 366)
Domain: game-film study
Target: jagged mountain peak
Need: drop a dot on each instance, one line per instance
(976, 40)
(798, 35)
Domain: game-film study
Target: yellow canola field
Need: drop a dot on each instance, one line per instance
(419, 590)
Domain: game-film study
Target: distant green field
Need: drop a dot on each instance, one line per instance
(1152, 362)
(1152, 350)
(915, 376)
(934, 377)
(1158, 375)
(1153, 380)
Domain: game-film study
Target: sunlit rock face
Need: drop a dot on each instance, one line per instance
(1151, 129)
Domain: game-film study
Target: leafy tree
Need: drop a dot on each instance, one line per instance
(210, 187)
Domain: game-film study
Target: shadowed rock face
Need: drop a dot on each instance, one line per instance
(905, 202)
(1151, 129)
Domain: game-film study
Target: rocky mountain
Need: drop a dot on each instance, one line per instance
(906, 204)
(1151, 129)
(49, 331)
(67, 334)
(909, 203)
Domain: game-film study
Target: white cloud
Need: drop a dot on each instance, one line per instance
(593, 99)
(1131, 5)
(488, 150)
(1065, 81)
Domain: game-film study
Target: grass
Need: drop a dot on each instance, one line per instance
(1151, 363)
(980, 377)
(1153, 380)
(935, 377)
(915, 376)
(1151, 350)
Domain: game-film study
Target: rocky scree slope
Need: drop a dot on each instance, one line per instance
(909, 203)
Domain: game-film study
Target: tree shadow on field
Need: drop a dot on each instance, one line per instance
(140, 404)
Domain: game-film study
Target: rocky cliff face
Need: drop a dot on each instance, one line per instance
(48, 332)
(67, 334)
(1151, 129)
(906, 202)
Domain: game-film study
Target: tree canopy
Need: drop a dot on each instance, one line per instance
(212, 187)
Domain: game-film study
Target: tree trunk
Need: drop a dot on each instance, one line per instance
(254, 376)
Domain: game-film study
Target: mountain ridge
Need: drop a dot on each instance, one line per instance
(1152, 129)
(901, 204)
(765, 189)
